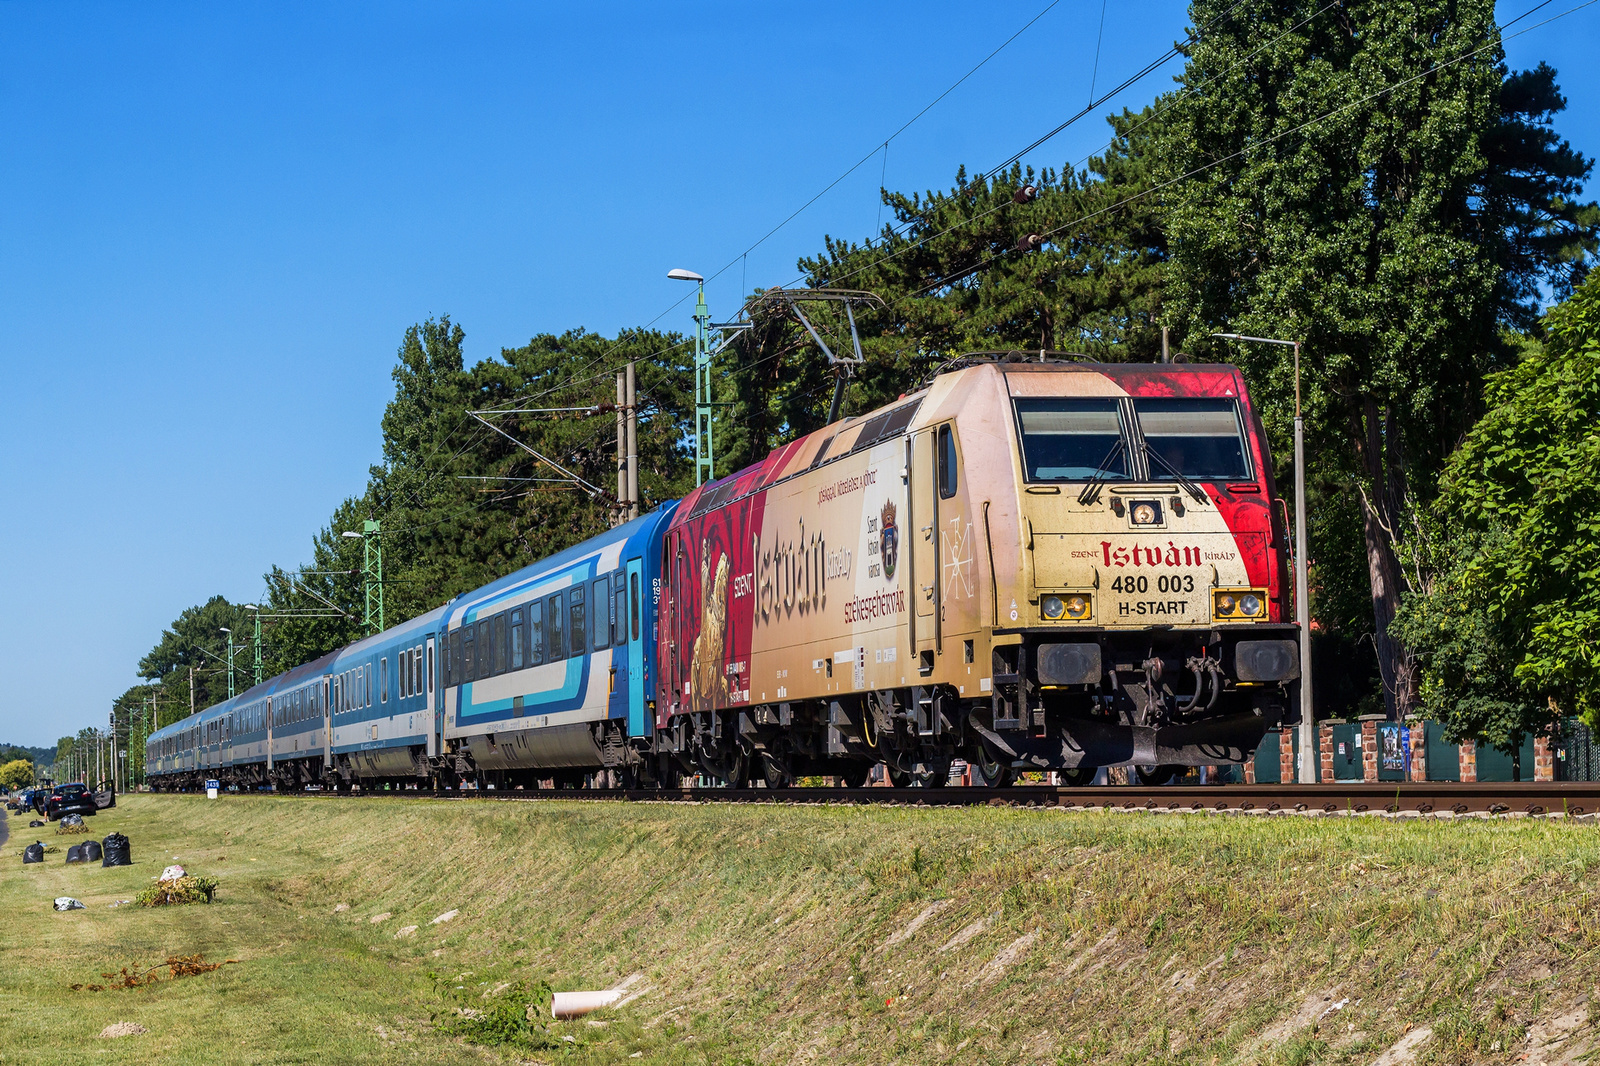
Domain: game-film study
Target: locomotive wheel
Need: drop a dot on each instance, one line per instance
(922, 775)
(988, 771)
(856, 775)
(1155, 775)
(775, 770)
(732, 770)
(1083, 775)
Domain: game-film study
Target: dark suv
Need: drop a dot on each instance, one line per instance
(69, 799)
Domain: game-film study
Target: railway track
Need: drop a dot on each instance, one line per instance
(1572, 799)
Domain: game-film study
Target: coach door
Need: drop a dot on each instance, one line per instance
(438, 716)
(631, 623)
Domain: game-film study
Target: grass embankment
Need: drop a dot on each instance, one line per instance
(803, 934)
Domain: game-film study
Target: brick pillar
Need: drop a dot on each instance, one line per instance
(1369, 750)
(1469, 760)
(1544, 760)
(1419, 749)
(1250, 766)
(1325, 752)
(1287, 772)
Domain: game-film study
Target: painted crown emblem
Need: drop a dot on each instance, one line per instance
(886, 516)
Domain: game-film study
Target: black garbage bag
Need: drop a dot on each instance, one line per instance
(36, 824)
(33, 852)
(75, 853)
(91, 851)
(117, 851)
(69, 820)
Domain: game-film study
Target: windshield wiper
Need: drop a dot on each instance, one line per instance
(1194, 490)
(1091, 488)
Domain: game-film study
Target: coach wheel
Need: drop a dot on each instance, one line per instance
(1077, 778)
(988, 770)
(1155, 775)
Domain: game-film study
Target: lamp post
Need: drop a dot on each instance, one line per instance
(372, 573)
(228, 631)
(704, 454)
(1309, 763)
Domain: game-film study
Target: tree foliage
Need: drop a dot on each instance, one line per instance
(18, 773)
(1371, 183)
(1507, 630)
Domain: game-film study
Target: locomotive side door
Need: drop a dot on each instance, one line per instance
(923, 527)
(933, 502)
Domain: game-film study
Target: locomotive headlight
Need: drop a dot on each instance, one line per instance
(1245, 605)
(1052, 607)
(1077, 607)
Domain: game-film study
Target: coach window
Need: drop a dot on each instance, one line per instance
(556, 623)
(536, 633)
(416, 672)
(469, 654)
(947, 462)
(500, 643)
(619, 609)
(430, 669)
(486, 648)
(578, 621)
(455, 668)
(367, 671)
(516, 640)
(602, 613)
(633, 613)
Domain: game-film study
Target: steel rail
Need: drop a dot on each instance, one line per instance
(1432, 797)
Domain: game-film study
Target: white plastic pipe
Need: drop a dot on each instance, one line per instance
(577, 1004)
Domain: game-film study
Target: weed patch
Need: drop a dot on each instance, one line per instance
(177, 966)
(187, 889)
(511, 1014)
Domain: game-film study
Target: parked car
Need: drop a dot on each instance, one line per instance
(69, 799)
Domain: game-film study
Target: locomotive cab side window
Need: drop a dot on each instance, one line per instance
(947, 462)
(1199, 437)
(1071, 439)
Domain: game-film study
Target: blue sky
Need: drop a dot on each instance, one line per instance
(217, 220)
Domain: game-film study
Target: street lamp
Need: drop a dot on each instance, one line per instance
(704, 454)
(1309, 763)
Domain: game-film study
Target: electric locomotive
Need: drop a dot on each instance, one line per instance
(1028, 565)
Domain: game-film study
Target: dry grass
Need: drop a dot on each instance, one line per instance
(763, 934)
